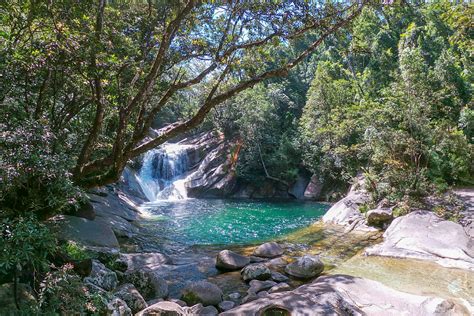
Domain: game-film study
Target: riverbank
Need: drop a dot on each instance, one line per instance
(342, 249)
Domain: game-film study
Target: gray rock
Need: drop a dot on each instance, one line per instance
(423, 235)
(305, 267)
(199, 309)
(128, 293)
(262, 294)
(254, 259)
(102, 276)
(148, 260)
(346, 212)
(121, 227)
(86, 232)
(276, 263)
(279, 277)
(163, 308)
(226, 305)
(115, 205)
(257, 286)
(118, 307)
(379, 217)
(148, 283)
(229, 260)
(250, 297)
(234, 296)
(202, 292)
(280, 287)
(256, 271)
(347, 295)
(298, 188)
(179, 302)
(268, 250)
(313, 189)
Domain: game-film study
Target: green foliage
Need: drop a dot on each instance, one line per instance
(408, 122)
(26, 244)
(35, 176)
(63, 292)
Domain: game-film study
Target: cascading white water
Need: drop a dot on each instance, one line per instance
(163, 172)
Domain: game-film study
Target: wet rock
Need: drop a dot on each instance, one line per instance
(148, 283)
(280, 287)
(118, 307)
(423, 235)
(298, 188)
(229, 260)
(257, 286)
(163, 308)
(226, 305)
(149, 260)
(128, 293)
(379, 217)
(305, 267)
(279, 277)
(102, 277)
(256, 271)
(234, 296)
(202, 292)
(268, 250)
(85, 210)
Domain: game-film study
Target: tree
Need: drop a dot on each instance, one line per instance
(98, 73)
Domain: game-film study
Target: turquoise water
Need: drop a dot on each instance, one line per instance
(225, 222)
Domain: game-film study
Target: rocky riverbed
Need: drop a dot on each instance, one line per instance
(342, 265)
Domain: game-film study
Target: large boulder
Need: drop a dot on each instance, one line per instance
(313, 189)
(148, 283)
(297, 189)
(226, 305)
(424, 235)
(102, 277)
(379, 217)
(118, 307)
(202, 292)
(268, 250)
(305, 267)
(87, 232)
(256, 271)
(229, 260)
(164, 308)
(128, 293)
(347, 295)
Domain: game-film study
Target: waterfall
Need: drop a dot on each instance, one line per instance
(163, 172)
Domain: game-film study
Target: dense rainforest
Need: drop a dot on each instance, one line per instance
(334, 89)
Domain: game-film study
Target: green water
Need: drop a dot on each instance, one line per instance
(228, 222)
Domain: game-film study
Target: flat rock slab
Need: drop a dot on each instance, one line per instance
(424, 235)
(347, 295)
(138, 261)
(84, 231)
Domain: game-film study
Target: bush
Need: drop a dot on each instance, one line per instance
(34, 176)
(62, 291)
